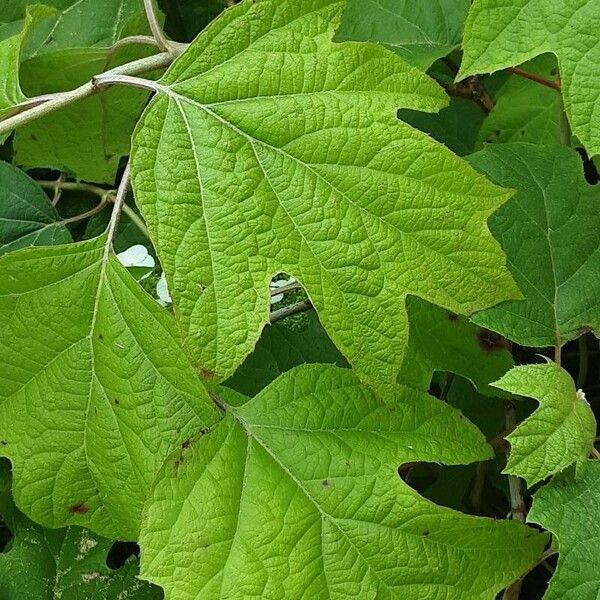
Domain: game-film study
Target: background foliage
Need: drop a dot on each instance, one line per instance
(299, 298)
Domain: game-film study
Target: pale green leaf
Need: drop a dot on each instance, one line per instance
(503, 34)
(570, 510)
(420, 32)
(63, 564)
(27, 218)
(277, 150)
(296, 495)
(442, 341)
(95, 389)
(524, 110)
(559, 433)
(549, 231)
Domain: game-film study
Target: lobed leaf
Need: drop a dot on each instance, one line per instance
(559, 433)
(296, 494)
(270, 149)
(549, 231)
(504, 34)
(95, 389)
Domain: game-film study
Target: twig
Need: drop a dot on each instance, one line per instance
(557, 354)
(90, 213)
(554, 85)
(288, 311)
(108, 195)
(470, 88)
(116, 212)
(518, 508)
(290, 287)
(36, 108)
(155, 28)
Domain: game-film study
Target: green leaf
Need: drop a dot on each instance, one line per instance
(456, 126)
(279, 151)
(13, 36)
(95, 389)
(279, 349)
(549, 231)
(420, 32)
(559, 433)
(570, 511)
(27, 218)
(65, 564)
(296, 494)
(101, 124)
(499, 35)
(77, 23)
(525, 111)
(442, 341)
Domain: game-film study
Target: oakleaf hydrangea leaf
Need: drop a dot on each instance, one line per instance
(270, 149)
(570, 511)
(549, 231)
(443, 341)
(63, 564)
(296, 494)
(420, 32)
(95, 390)
(27, 218)
(503, 34)
(559, 433)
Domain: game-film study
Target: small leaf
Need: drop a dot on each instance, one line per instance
(499, 35)
(27, 218)
(559, 433)
(296, 494)
(279, 151)
(570, 511)
(95, 389)
(420, 32)
(549, 231)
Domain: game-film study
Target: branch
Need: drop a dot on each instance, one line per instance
(553, 85)
(470, 88)
(90, 213)
(35, 108)
(288, 311)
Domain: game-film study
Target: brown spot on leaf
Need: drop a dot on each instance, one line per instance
(3, 442)
(79, 509)
(489, 341)
(185, 444)
(325, 483)
(207, 374)
(452, 316)
(425, 533)
(117, 401)
(100, 336)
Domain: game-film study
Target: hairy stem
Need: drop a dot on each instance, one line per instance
(119, 202)
(39, 107)
(157, 32)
